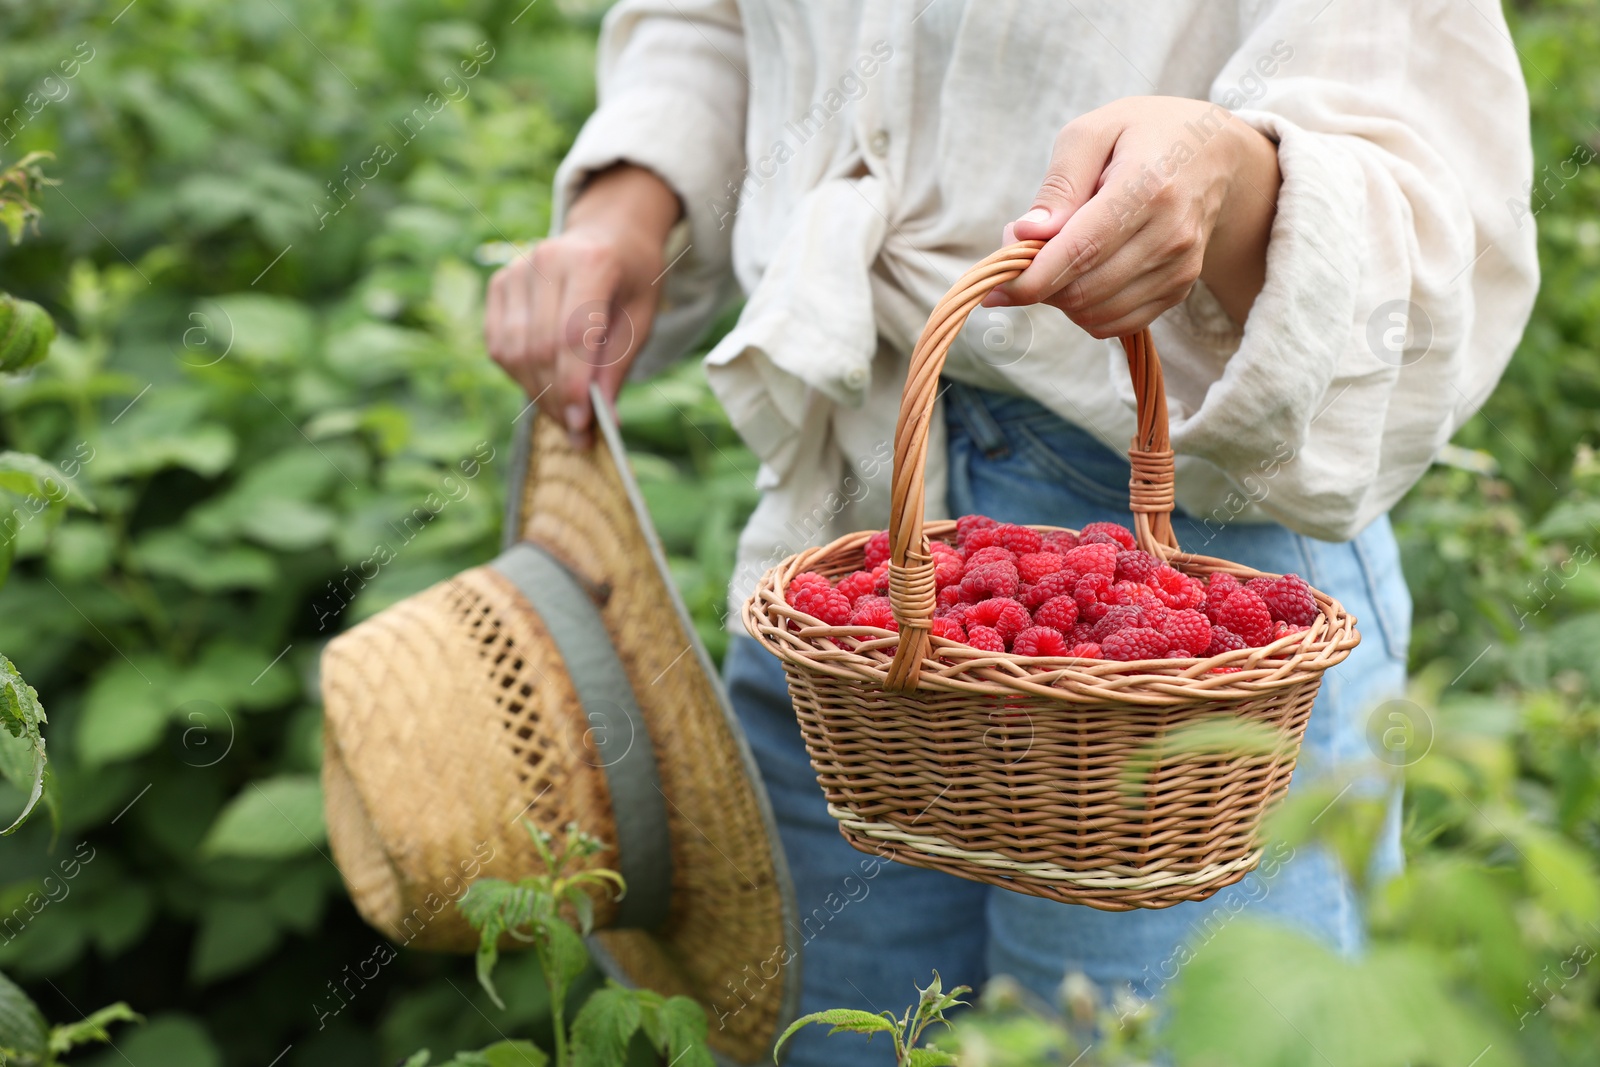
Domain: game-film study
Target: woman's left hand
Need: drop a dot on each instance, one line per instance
(1143, 197)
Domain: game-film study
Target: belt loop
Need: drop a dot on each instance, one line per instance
(980, 425)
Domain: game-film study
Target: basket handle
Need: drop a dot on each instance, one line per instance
(1150, 497)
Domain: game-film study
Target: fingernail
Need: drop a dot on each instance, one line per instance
(575, 417)
(1038, 214)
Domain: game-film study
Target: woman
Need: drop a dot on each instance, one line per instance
(1310, 203)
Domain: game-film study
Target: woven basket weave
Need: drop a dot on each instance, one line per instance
(1082, 781)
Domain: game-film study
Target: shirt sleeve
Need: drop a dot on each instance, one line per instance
(673, 89)
(1401, 268)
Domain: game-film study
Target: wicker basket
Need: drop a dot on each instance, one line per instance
(1085, 781)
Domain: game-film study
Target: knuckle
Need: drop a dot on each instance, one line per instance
(1056, 187)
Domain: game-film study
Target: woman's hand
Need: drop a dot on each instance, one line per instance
(578, 307)
(1144, 196)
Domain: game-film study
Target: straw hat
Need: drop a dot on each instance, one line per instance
(564, 682)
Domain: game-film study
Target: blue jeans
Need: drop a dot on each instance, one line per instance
(872, 928)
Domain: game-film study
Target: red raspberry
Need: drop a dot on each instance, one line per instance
(1110, 533)
(880, 578)
(1188, 630)
(805, 578)
(874, 611)
(877, 548)
(1176, 589)
(1058, 613)
(1217, 589)
(947, 569)
(1080, 634)
(1136, 566)
(966, 525)
(1223, 640)
(1039, 641)
(1062, 541)
(1036, 565)
(1134, 593)
(857, 585)
(1092, 559)
(979, 539)
(1091, 593)
(1001, 613)
(949, 598)
(998, 579)
(949, 628)
(986, 638)
(1246, 614)
(820, 601)
(1086, 650)
(1289, 599)
(1118, 617)
(1018, 539)
(991, 554)
(1137, 642)
(1061, 583)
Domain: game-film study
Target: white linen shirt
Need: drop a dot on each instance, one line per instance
(845, 160)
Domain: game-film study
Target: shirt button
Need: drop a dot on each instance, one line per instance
(878, 143)
(856, 378)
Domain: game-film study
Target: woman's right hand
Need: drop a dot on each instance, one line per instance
(579, 306)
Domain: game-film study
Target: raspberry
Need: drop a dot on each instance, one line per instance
(991, 554)
(1188, 631)
(1136, 642)
(1110, 533)
(1062, 541)
(986, 638)
(1245, 613)
(1136, 566)
(1036, 565)
(1176, 589)
(1058, 613)
(874, 611)
(811, 578)
(1018, 539)
(948, 628)
(1002, 614)
(880, 578)
(857, 585)
(949, 597)
(877, 548)
(947, 569)
(1061, 583)
(1118, 617)
(1081, 634)
(1134, 593)
(1092, 559)
(820, 601)
(1218, 587)
(1091, 593)
(1223, 640)
(1289, 599)
(998, 579)
(979, 539)
(1086, 650)
(966, 525)
(1039, 641)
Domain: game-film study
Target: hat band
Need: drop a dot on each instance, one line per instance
(615, 726)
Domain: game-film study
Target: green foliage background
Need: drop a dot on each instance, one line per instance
(267, 391)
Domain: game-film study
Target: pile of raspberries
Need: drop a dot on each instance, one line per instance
(1093, 595)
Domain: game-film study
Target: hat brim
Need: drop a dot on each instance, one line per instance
(729, 941)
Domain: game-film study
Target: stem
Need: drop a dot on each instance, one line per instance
(558, 999)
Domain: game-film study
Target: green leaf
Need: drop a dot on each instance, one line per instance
(514, 1054)
(22, 757)
(126, 711)
(567, 953)
(26, 329)
(22, 1026)
(167, 1041)
(91, 1030)
(930, 1057)
(604, 1026)
(233, 935)
(683, 1025)
(270, 819)
(848, 1019)
(25, 474)
(173, 553)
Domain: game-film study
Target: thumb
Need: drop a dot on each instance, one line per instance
(1082, 150)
